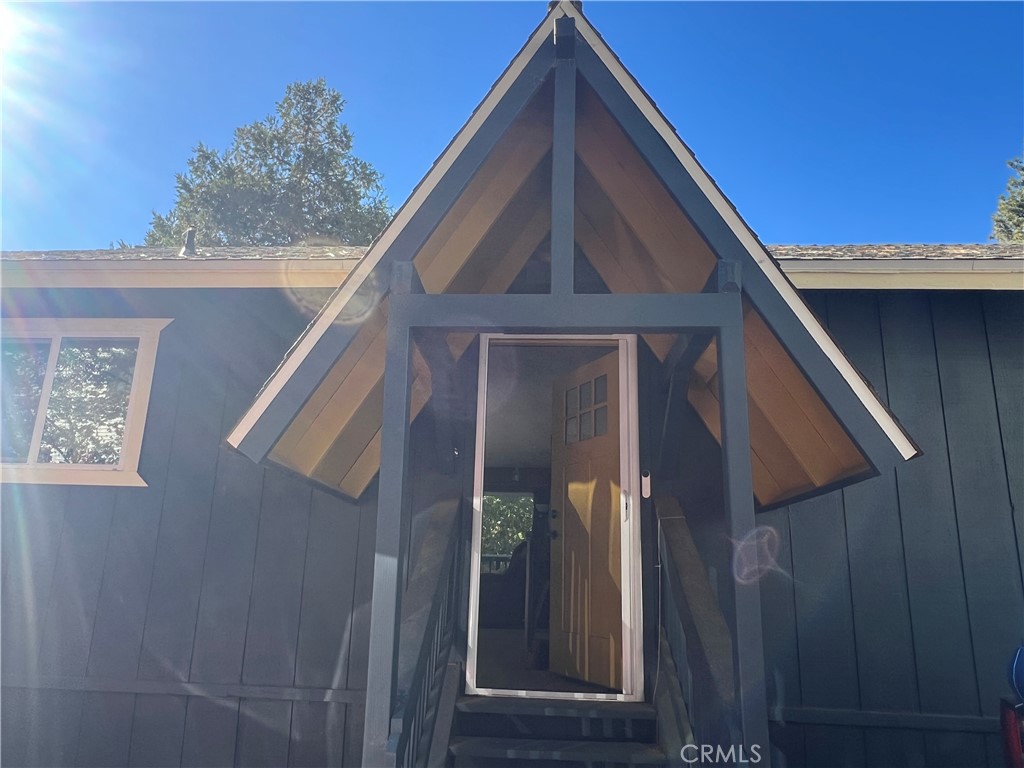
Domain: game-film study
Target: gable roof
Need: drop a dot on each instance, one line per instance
(352, 253)
(713, 221)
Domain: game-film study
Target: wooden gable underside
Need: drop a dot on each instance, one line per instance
(637, 239)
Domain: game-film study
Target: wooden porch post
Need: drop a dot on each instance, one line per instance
(385, 610)
(748, 650)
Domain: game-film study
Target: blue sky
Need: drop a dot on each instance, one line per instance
(822, 122)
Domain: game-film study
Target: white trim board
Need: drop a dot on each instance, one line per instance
(125, 472)
(875, 274)
(165, 273)
(631, 576)
(906, 274)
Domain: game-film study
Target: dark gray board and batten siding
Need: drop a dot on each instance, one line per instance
(216, 617)
(898, 602)
(221, 615)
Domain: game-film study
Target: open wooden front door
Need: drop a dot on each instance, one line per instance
(586, 499)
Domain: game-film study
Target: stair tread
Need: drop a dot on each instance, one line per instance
(624, 710)
(557, 749)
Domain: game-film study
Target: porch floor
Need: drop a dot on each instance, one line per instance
(503, 662)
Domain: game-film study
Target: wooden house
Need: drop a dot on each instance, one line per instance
(764, 504)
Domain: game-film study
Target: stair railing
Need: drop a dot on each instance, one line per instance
(414, 725)
(697, 635)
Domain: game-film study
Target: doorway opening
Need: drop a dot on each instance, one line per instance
(555, 572)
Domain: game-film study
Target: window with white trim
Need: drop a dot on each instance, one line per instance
(74, 397)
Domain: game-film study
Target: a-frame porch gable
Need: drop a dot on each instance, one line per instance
(355, 319)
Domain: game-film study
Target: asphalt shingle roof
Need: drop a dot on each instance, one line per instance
(354, 253)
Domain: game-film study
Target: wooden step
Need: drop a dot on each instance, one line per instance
(508, 705)
(623, 753)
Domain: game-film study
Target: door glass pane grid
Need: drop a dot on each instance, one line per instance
(572, 402)
(586, 425)
(586, 394)
(585, 416)
(572, 430)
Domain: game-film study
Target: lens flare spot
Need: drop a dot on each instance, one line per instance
(755, 555)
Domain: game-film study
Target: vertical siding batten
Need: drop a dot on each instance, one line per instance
(272, 635)
(184, 526)
(1004, 319)
(884, 636)
(157, 731)
(211, 726)
(106, 729)
(131, 554)
(979, 491)
(942, 638)
(67, 631)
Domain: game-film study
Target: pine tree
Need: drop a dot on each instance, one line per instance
(284, 180)
(1008, 220)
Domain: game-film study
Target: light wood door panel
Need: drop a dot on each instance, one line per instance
(586, 553)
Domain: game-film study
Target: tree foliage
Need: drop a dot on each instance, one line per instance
(507, 520)
(87, 405)
(284, 180)
(1008, 220)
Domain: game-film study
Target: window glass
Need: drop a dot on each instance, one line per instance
(601, 388)
(586, 425)
(88, 404)
(572, 401)
(586, 394)
(601, 421)
(572, 431)
(23, 368)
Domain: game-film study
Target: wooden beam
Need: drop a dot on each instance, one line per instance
(705, 401)
(911, 721)
(355, 391)
(486, 196)
(359, 437)
(748, 648)
(677, 248)
(507, 246)
(698, 607)
(583, 313)
(385, 608)
(563, 158)
(796, 382)
(286, 450)
(365, 469)
(601, 219)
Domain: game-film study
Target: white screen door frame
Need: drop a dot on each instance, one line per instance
(629, 511)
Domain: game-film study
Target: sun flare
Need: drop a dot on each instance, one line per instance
(12, 28)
